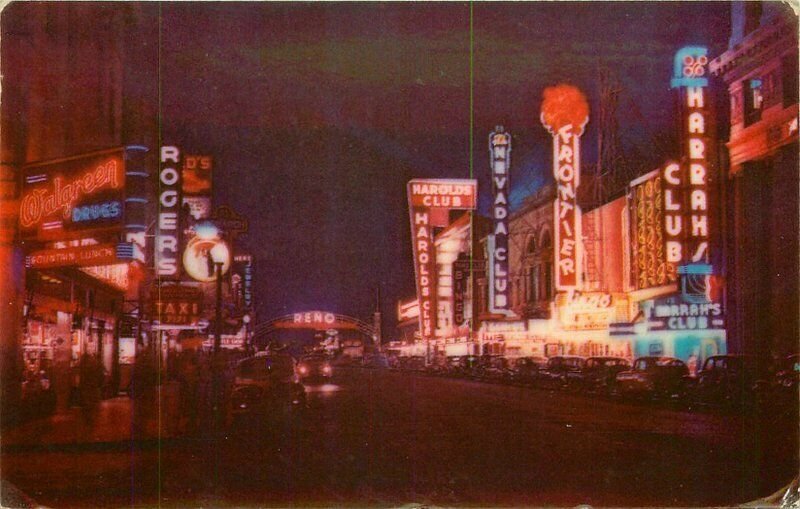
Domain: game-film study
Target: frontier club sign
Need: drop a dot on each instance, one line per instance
(565, 112)
(426, 197)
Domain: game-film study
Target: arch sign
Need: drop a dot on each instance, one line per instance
(315, 320)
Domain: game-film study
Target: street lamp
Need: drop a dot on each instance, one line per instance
(218, 255)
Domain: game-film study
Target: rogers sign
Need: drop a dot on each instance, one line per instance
(424, 194)
(167, 242)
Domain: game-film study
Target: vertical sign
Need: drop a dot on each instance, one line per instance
(460, 276)
(242, 281)
(168, 232)
(423, 195)
(674, 211)
(565, 112)
(689, 78)
(690, 178)
(500, 160)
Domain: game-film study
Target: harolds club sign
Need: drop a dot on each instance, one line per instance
(67, 198)
(425, 196)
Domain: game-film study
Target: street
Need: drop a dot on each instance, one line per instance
(379, 437)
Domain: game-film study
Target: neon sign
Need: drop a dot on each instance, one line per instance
(407, 310)
(500, 161)
(675, 315)
(686, 185)
(689, 67)
(168, 233)
(460, 278)
(107, 210)
(565, 112)
(95, 254)
(424, 194)
(695, 124)
(590, 310)
(57, 196)
(650, 266)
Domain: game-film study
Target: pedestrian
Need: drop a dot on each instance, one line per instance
(189, 379)
(144, 381)
(91, 387)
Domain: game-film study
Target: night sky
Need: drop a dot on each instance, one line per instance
(318, 114)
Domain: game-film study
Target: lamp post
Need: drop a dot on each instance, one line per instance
(218, 253)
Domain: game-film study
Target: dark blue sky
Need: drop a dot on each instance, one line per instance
(318, 114)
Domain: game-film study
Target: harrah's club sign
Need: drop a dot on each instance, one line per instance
(500, 161)
(424, 195)
(686, 218)
(565, 112)
(69, 198)
(168, 235)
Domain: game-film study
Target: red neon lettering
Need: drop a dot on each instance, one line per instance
(41, 203)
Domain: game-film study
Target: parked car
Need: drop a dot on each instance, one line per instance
(599, 374)
(526, 370)
(724, 380)
(494, 368)
(314, 367)
(438, 366)
(654, 377)
(414, 363)
(560, 370)
(265, 386)
(464, 367)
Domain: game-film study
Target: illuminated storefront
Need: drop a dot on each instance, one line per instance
(80, 221)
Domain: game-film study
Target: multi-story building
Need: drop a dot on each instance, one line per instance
(760, 69)
(79, 110)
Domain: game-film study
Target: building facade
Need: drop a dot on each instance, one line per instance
(79, 111)
(760, 72)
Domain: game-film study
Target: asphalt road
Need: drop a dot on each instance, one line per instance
(378, 438)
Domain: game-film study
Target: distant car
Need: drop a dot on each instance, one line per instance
(526, 370)
(494, 368)
(654, 377)
(265, 386)
(376, 361)
(599, 374)
(560, 370)
(314, 367)
(438, 366)
(414, 363)
(466, 366)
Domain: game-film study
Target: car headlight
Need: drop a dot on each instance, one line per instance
(326, 370)
(303, 370)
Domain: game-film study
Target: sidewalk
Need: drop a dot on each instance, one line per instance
(114, 423)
